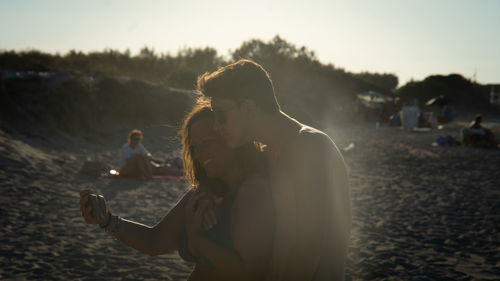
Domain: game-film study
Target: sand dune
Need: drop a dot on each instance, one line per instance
(419, 212)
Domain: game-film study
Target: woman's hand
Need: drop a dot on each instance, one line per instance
(196, 208)
(209, 215)
(86, 209)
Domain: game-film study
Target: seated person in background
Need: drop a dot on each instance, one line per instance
(477, 135)
(134, 158)
(476, 124)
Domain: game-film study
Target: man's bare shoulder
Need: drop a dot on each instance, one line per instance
(310, 144)
(311, 138)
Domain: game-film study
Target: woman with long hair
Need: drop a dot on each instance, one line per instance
(238, 242)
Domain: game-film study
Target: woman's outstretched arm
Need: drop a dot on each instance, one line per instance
(160, 239)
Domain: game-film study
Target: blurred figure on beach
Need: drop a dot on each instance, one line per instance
(137, 162)
(409, 114)
(134, 158)
(477, 135)
(394, 110)
(425, 119)
(308, 175)
(215, 224)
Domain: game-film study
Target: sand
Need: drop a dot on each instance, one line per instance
(419, 212)
(422, 212)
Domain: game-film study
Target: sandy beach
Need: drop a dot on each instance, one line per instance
(419, 212)
(422, 212)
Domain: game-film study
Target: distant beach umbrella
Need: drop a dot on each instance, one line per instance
(439, 100)
(372, 96)
(372, 99)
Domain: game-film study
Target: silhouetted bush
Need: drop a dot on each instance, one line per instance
(72, 106)
(464, 93)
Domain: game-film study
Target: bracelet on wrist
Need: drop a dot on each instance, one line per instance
(108, 221)
(114, 225)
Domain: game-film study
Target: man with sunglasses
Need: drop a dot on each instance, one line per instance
(308, 174)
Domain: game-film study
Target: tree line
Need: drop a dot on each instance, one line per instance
(302, 82)
(305, 86)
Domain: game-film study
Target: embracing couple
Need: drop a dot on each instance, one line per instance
(270, 198)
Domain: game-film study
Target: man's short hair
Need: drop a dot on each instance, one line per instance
(241, 80)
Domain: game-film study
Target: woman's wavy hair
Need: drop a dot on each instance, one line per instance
(250, 157)
(192, 170)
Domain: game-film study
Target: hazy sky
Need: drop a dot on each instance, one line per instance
(410, 38)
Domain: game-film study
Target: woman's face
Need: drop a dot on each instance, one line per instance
(208, 149)
(134, 141)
